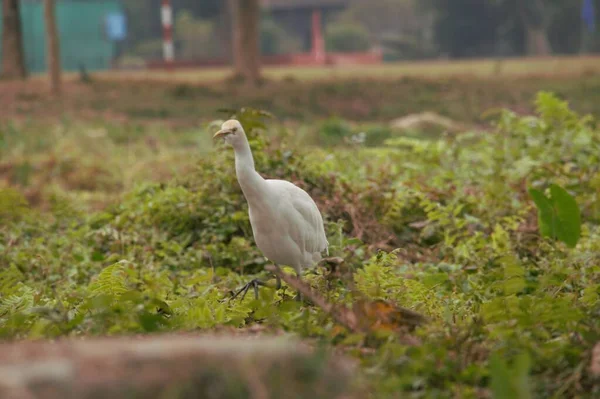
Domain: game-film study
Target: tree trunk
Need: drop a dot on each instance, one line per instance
(534, 17)
(13, 58)
(52, 47)
(245, 16)
(537, 41)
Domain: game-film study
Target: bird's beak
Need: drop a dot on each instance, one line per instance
(221, 133)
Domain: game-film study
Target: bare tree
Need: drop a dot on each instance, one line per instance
(534, 18)
(245, 18)
(52, 46)
(13, 58)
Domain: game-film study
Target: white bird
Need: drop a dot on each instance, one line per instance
(286, 223)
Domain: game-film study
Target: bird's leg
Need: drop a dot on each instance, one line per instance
(254, 284)
(299, 297)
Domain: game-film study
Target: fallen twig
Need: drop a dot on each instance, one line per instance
(365, 315)
(346, 319)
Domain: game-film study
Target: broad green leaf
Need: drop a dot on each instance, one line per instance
(500, 384)
(513, 285)
(558, 216)
(568, 214)
(510, 382)
(520, 380)
(546, 218)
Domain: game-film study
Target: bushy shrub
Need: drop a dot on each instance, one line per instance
(12, 205)
(334, 131)
(275, 40)
(195, 38)
(405, 47)
(376, 135)
(346, 38)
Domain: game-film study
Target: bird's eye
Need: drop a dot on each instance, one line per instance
(234, 129)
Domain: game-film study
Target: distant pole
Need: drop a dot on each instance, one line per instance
(166, 13)
(318, 44)
(52, 46)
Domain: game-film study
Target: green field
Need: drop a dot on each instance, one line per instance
(120, 216)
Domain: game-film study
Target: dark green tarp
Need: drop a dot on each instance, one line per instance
(81, 26)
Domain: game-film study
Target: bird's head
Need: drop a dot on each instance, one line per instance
(232, 132)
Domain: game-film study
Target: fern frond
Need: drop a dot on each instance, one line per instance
(111, 281)
(21, 300)
(9, 280)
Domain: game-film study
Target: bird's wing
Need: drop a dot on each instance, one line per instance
(311, 236)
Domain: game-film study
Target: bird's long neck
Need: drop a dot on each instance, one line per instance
(251, 182)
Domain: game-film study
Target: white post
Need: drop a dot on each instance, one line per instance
(166, 13)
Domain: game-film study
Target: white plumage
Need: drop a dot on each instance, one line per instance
(286, 223)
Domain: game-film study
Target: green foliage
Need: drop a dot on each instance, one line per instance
(376, 135)
(406, 47)
(398, 25)
(558, 216)
(466, 34)
(275, 40)
(110, 281)
(378, 280)
(510, 382)
(334, 131)
(20, 301)
(195, 37)
(442, 225)
(346, 38)
(499, 27)
(12, 205)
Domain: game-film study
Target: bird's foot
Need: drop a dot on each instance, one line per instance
(254, 284)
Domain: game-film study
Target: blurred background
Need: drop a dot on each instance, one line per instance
(107, 48)
(131, 34)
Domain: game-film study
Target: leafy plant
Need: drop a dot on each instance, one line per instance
(559, 215)
(334, 131)
(13, 205)
(510, 382)
(275, 40)
(346, 38)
